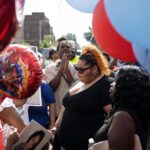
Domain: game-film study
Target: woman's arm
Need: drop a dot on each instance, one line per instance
(52, 110)
(58, 121)
(121, 132)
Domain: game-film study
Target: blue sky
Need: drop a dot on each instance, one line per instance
(63, 18)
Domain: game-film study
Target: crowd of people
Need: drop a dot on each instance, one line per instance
(87, 96)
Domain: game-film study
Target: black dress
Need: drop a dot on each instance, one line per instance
(84, 115)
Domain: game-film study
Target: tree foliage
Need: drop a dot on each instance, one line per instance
(89, 37)
(47, 42)
(72, 36)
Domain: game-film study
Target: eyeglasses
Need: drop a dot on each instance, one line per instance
(81, 70)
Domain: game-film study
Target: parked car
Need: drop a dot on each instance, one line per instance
(39, 55)
(34, 48)
(45, 52)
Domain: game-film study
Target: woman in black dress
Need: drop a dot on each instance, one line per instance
(86, 103)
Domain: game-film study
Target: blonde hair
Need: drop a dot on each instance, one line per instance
(98, 57)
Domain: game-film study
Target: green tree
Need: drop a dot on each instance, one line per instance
(89, 36)
(72, 36)
(47, 42)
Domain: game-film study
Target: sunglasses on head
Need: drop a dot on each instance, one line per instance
(81, 70)
(64, 46)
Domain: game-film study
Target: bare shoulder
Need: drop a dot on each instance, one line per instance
(122, 115)
(122, 120)
(121, 132)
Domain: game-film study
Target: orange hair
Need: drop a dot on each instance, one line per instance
(98, 57)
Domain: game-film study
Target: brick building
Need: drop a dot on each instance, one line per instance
(34, 28)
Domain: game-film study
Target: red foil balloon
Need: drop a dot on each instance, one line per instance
(20, 72)
(108, 38)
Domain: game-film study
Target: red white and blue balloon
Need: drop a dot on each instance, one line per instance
(86, 6)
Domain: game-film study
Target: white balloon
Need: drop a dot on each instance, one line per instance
(83, 5)
(143, 56)
(131, 19)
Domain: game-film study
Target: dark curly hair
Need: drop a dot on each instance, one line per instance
(133, 90)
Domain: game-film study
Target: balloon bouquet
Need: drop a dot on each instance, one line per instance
(120, 27)
(122, 30)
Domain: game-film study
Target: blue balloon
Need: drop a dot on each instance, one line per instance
(86, 6)
(131, 19)
(143, 56)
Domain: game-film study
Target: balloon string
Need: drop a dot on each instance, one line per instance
(91, 38)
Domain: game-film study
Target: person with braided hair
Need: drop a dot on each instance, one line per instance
(86, 103)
